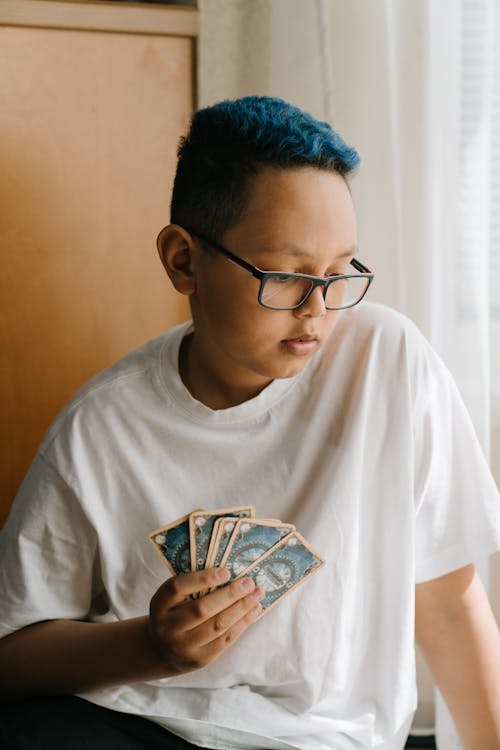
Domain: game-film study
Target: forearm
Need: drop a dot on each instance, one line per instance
(180, 634)
(65, 656)
(462, 647)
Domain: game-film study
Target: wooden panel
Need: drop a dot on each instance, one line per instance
(89, 124)
(73, 14)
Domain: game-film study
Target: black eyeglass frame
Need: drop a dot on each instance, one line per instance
(316, 281)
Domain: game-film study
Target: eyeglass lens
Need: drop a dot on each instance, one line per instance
(290, 291)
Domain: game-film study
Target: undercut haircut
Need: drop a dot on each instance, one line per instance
(229, 143)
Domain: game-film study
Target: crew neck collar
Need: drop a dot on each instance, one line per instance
(251, 410)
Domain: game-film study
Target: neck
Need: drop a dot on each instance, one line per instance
(208, 385)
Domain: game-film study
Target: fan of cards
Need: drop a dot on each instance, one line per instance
(273, 554)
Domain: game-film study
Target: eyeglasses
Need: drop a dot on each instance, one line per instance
(288, 291)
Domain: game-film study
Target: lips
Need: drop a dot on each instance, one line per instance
(301, 345)
(306, 337)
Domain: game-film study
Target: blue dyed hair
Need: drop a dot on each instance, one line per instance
(229, 143)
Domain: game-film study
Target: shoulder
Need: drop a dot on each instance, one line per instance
(373, 317)
(378, 329)
(119, 390)
(381, 347)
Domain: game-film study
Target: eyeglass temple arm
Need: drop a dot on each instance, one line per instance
(239, 261)
(359, 266)
(234, 258)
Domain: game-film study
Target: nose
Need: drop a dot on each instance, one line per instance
(314, 306)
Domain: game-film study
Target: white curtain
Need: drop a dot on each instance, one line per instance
(415, 86)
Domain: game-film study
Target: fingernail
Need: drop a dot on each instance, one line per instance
(259, 593)
(222, 574)
(246, 584)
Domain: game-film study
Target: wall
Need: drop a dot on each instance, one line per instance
(88, 135)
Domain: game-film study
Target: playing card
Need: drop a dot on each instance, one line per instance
(173, 545)
(284, 567)
(250, 539)
(221, 534)
(201, 525)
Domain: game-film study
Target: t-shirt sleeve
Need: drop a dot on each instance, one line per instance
(47, 553)
(457, 502)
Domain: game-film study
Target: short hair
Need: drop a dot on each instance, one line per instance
(229, 143)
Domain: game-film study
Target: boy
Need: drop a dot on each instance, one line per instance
(286, 392)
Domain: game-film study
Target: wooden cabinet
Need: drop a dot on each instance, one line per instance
(94, 97)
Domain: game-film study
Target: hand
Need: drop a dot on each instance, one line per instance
(190, 633)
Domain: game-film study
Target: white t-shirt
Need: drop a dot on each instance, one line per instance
(368, 451)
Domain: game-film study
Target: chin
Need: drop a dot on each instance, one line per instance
(289, 370)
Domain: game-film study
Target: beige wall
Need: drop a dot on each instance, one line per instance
(89, 126)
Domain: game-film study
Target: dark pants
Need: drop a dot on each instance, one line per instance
(69, 723)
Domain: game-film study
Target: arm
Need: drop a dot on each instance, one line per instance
(180, 634)
(458, 635)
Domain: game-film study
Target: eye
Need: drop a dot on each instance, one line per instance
(340, 272)
(282, 279)
(341, 268)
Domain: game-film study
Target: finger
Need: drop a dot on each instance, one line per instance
(203, 609)
(190, 654)
(220, 644)
(179, 588)
(213, 629)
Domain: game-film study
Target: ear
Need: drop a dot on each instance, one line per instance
(175, 247)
